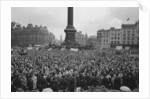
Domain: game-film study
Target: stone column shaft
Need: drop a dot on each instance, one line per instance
(70, 30)
(70, 15)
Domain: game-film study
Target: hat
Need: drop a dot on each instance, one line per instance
(125, 89)
(47, 90)
(20, 90)
(78, 89)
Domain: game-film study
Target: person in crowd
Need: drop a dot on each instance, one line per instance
(66, 70)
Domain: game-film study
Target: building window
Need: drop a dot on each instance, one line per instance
(132, 38)
(124, 34)
(132, 31)
(132, 34)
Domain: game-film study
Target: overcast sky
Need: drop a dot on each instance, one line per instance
(87, 20)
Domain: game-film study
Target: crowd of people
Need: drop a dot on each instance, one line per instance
(67, 70)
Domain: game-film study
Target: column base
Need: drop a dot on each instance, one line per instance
(70, 38)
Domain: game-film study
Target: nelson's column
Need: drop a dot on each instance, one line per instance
(70, 30)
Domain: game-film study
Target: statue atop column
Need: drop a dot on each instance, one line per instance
(70, 30)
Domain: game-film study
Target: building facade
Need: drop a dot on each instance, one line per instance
(80, 38)
(115, 37)
(30, 35)
(103, 38)
(127, 35)
(92, 40)
(130, 34)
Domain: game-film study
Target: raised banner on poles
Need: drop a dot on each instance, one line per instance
(118, 47)
(74, 49)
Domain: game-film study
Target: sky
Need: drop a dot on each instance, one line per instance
(86, 19)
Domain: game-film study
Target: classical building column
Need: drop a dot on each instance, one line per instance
(70, 30)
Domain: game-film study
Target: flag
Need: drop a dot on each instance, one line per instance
(128, 19)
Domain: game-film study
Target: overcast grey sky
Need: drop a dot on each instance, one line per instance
(86, 19)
